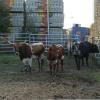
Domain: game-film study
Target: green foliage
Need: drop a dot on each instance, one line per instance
(4, 18)
(10, 66)
(96, 76)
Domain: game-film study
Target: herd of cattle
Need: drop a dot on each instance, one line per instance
(27, 52)
(82, 50)
(55, 55)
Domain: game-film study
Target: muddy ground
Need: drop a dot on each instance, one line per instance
(72, 84)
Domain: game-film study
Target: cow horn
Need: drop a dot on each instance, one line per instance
(10, 43)
(7, 40)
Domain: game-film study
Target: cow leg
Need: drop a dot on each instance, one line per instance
(29, 69)
(50, 66)
(28, 63)
(77, 60)
(55, 69)
(82, 59)
(57, 66)
(39, 64)
(87, 60)
(42, 60)
(25, 69)
(62, 69)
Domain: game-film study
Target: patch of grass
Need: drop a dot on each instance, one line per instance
(10, 63)
(9, 59)
(96, 76)
(10, 66)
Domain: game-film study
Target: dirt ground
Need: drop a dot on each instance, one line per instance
(72, 84)
(60, 87)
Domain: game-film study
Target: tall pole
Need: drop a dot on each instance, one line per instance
(48, 15)
(24, 13)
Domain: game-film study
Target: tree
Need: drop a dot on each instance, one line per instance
(28, 21)
(4, 18)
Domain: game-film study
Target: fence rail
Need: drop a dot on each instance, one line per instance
(47, 39)
(32, 38)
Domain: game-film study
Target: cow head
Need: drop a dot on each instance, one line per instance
(94, 48)
(16, 46)
(52, 55)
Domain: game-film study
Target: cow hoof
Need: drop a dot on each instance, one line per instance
(23, 70)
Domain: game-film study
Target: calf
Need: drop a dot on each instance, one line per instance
(55, 57)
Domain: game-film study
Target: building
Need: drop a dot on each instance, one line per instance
(40, 15)
(37, 17)
(79, 33)
(45, 15)
(95, 27)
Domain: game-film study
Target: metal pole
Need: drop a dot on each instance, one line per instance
(24, 7)
(47, 39)
(48, 15)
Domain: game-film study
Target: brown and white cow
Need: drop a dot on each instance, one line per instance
(28, 51)
(37, 53)
(55, 57)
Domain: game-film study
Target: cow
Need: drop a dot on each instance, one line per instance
(85, 49)
(37, 53)
(55, 57)
(27, 51)
(82, 51)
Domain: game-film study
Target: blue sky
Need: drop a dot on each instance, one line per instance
(78, 11)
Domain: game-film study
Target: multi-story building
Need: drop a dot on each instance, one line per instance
(37, 16)
(44, 14)
(40, 14)
(95, 27)
(79, 33)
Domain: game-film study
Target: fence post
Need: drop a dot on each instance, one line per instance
(13, 40)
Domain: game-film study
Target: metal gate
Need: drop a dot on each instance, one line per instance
(47, 39)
